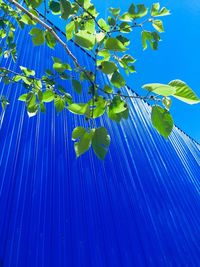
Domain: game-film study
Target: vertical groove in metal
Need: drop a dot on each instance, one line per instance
(140, 207)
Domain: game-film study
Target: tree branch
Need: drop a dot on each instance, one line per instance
(50, 29)
(16, 73)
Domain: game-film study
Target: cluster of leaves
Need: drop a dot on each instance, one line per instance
(7, 30)
(108, 42)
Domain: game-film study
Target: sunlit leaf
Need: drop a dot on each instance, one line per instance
(160, 89)
(114, 44)
(184, 92)
(162, 120)
(84, 140)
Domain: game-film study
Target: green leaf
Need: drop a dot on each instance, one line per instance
(49, 72)
(128, 59)
(156, 12)
(152, 37)
(68, 99)
(59, 103)
(100, 37)
(105, 54)
(125, 62)
(34, 3)
(83, 142)
(111, 21)
(167, 102)
(101, 142)
(77, 86)
(50, 39)
(107, 89)
(126, 17)
(117, 112)
(80, 108)
(2, 33)
(113, 44)
(27, 20)
(59, 66)
(125, 41)
(32, 110)
(4, 102)
(114, 11)
(84, 39)
(184, 92)
(37, 36)
(160, 89)
(65, 8)
(30, 102)
(42, 107)
(77, 132)
(117, 80)
(22, 97)
(158, 25)
(39, 95)
(98, 107)
(27, 71)
(6, 80)
(162, 121)
(26, 80)
(48, 96)
(108, 67)
(117, 105)
(125, 27)
(70, 28)
(64, 76)
(141, 11)
(55, 7)
(103, 25)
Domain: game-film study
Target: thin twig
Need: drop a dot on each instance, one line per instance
(132, 96)
(93, 17)
(135, 25)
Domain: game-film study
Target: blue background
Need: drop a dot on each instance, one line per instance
(140, 207)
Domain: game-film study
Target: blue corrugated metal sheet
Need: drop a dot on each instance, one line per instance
(140, 207)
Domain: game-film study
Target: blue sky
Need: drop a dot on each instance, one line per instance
(177, 58)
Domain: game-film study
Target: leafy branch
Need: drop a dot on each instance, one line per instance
(105, 39)
(51, 30)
